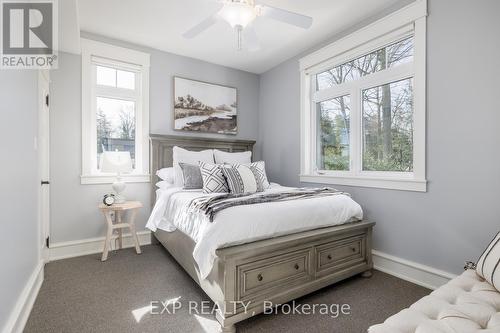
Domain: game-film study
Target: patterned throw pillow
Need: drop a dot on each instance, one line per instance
(241, 178)
(259, 171)
(213, 179)
(488, 266)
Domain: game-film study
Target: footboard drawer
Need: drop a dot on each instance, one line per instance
(270, 275)
(339, 254)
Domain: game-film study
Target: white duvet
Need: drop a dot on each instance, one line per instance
(244, 224)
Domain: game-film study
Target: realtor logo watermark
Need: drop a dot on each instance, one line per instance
(29, 34)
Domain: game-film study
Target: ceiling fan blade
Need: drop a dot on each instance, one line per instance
(285, 16)
(250, 39)
(202, 26)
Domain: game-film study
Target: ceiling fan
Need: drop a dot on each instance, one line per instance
(239, 14)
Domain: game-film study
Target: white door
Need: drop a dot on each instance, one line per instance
(43, 161)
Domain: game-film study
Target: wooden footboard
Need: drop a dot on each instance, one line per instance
(281, 269)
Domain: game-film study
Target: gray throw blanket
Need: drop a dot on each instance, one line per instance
(211, 205)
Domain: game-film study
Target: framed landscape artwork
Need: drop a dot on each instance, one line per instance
(204, 107)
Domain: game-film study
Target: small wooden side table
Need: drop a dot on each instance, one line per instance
(118, 224)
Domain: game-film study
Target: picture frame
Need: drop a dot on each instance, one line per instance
(205, 107)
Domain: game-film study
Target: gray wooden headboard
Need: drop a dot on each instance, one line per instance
(162, 145)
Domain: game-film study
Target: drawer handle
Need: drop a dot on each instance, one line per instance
(353, 249)
(296, 266)
(329, 257)
(260, 277)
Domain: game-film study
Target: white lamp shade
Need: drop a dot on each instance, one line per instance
(116, 161)
(237, 14)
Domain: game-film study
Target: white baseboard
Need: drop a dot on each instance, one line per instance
(422, 275)
(63, 250)
(404, 269)
(24, 304)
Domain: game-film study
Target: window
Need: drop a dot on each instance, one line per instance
(384, 58)
(363, 106)
(115, 120)
(388, 127)
(333, 134)
(115, 114)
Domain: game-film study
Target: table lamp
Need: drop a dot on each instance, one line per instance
(118, 162)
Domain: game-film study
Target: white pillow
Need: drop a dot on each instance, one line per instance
(163, 185)
(222, 157)
(181, 155)
(166, 174)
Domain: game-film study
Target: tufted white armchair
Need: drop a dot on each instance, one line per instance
(466, 304)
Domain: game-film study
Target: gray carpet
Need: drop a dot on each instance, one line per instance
(85, 295)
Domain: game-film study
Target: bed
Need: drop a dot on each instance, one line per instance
(275, 264)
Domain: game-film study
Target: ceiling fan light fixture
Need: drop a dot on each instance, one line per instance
(238, 14)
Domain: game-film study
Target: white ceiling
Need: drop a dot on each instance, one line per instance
(160, 23)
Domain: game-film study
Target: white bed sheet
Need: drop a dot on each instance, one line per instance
(244, 224)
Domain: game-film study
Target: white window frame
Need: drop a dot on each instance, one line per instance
(93, 53)
(408, 21)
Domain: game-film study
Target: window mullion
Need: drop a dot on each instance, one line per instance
(116, 93)
(356, 130)
(93, 121)
(371, 80)
(139, 125)
(387, 76)
(305, 123)
(333, 92)
(313, 129)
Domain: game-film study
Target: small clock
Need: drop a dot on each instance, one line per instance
(109, 199)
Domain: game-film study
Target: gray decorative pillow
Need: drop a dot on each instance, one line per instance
(213, 179)
(192, 176)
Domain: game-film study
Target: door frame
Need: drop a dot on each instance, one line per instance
(43, 147)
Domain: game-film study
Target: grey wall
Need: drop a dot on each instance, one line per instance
(74, 214)
(459, 214)
(450, 223)
(19, 184)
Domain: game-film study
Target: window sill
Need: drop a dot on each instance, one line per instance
(378, 182)
(109, 179)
